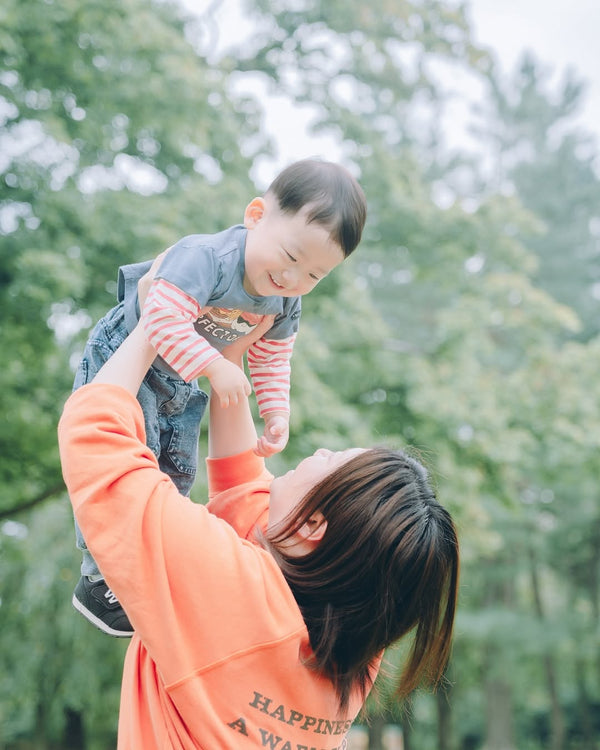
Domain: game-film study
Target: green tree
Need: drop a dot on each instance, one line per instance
(471, 297)
(117, 138)
(461, 326)
(552, 166)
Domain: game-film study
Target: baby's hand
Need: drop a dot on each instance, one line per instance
(228, 381)
(274, 440)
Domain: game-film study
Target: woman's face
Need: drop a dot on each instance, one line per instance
(288, 490)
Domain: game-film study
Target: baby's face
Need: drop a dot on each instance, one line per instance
(285, 256)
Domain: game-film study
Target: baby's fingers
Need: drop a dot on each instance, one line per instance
(264, 448)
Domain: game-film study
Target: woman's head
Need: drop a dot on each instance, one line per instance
(386, 564)
(290, 490)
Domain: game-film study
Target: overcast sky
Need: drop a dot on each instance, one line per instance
(561, 34)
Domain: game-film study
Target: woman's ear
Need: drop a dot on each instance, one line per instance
(254, 212)
(314, 529)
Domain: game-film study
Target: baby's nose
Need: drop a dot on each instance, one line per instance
(289, 277)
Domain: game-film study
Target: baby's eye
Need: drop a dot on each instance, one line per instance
(291, 257)
(312, 276)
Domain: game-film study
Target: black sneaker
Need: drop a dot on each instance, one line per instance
(100, 606)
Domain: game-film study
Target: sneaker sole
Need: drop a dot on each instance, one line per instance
(97, 622)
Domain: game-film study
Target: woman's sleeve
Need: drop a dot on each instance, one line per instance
(184, 576)
(239, 492)
(232, 471)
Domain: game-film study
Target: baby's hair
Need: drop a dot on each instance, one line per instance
(331, 195)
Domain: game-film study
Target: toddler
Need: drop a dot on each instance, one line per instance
(209, 291)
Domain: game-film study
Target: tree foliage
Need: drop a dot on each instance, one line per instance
(465, 326)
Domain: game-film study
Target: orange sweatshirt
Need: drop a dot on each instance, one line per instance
(217, 659)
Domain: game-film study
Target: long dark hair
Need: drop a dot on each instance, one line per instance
(387, 565)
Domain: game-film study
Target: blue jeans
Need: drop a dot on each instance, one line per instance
(172, 410)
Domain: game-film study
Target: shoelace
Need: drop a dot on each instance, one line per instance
(112, 599)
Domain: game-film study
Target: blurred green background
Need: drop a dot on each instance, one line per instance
(466, 325)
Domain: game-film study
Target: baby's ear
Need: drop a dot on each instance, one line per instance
(254, 212)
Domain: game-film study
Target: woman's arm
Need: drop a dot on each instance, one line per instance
(128, 366)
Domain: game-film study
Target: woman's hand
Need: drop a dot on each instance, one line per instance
(145, 282)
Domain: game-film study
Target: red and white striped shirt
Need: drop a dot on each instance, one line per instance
(168, 317)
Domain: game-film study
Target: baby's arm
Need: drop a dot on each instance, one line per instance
(168, 318)
(269, 366)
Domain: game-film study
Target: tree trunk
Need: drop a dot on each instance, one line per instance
(593, 579)
(74, 735)
(406, 724)
(39, 740)
(499, 720)
(557, 719)
(498, 692)
(444, 716)
(585, 714)
(376, 725)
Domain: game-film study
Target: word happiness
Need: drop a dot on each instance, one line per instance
(290, 717)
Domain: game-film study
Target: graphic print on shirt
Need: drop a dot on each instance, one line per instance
(226, 325)
(288, 717)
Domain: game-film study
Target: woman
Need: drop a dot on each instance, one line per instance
(260, 619)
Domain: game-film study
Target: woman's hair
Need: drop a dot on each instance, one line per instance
(333, 199)
(387, 565)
